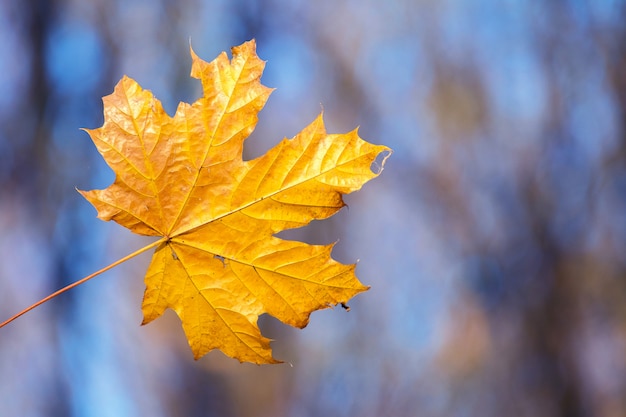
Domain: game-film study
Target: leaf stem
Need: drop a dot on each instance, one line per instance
(80, 281)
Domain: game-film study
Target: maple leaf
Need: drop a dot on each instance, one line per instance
(218, 264)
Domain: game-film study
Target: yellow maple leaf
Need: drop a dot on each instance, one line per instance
(218, 263)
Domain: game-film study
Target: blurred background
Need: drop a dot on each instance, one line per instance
(494, 241)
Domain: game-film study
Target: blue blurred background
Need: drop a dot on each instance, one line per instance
(494, 241)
